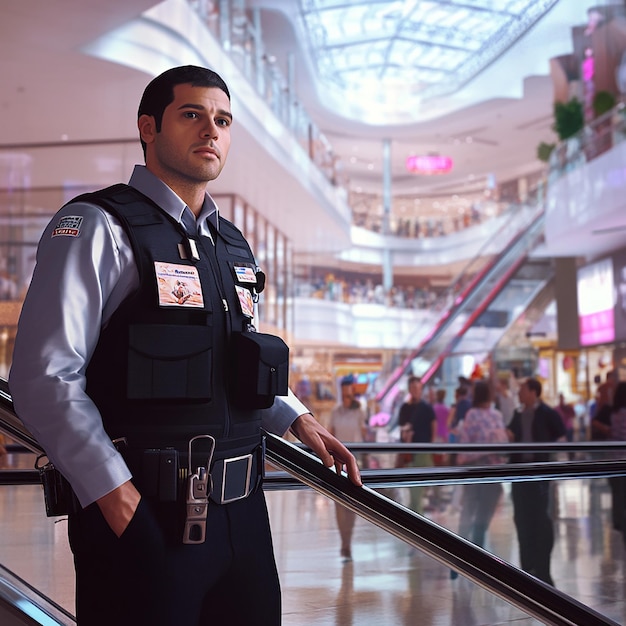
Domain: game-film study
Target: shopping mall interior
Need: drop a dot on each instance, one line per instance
(433, 188)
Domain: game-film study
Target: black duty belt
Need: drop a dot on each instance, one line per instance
(162, 474)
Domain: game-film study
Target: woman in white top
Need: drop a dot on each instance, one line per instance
(482, 424)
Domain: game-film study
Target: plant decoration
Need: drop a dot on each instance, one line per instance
(603, 102)
(544, 150)
(569, 118)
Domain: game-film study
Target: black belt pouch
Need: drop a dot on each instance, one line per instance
(260, 369)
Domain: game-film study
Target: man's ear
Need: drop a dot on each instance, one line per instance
(147, 128)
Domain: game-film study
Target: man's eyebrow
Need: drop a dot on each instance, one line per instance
(199, 107)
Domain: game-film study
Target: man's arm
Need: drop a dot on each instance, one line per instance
(288, 413)
(433, 429)
(512, 430)
(77, 282)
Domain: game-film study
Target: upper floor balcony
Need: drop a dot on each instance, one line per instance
(586, 195)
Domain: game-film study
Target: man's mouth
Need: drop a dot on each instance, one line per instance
(207, 150)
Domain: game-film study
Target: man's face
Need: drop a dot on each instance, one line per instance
(526, 396)
(415, 389)
(347, 395)
(193, 143)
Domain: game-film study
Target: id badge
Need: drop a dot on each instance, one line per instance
(244, 273)
(178, 285)
(245, 301)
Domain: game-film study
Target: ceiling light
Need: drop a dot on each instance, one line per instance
(429, 164)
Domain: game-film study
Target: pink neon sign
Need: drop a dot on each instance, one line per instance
(430, 164)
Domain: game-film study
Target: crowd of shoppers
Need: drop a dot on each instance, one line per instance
(428, 226)
(353, 291)
(490, 412)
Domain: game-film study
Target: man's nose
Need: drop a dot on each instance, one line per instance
(210, 129)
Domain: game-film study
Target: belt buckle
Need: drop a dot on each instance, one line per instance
(240, 468)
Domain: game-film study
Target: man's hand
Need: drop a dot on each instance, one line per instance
(119, 506)
(329, 449)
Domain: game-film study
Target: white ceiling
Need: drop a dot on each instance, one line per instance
(45, 78)
(382, 61)
(491, 126)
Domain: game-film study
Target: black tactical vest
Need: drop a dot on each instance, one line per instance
(160, 373)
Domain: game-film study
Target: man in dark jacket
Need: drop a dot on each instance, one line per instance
(420, 417)
(535, 421)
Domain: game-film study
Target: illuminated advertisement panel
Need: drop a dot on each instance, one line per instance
(596, 303)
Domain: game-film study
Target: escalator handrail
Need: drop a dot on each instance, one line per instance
(481, 308)
(531, 595)
(419, 476)
(448, 316)
(34, 608)
(507, 582)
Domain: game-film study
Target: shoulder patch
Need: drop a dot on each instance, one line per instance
(68, 226)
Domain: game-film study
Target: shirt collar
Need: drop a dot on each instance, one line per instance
(149, 185)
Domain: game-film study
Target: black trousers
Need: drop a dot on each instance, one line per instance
(535, 531)
(149, 577)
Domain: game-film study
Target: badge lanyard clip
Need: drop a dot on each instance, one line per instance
(199, 487)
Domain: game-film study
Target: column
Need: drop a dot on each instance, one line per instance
(387, 257)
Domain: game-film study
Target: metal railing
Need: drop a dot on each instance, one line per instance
(493, 574)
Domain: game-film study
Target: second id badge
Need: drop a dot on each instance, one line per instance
(244, 273)
(178, 285)
(245, 301)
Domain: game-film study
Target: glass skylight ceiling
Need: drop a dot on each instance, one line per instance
(384, 57)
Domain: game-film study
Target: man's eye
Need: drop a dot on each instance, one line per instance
(223, 122)
(192, 115)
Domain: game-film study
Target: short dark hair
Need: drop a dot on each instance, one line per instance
(413, 379)
(533, 385)
(482, 393)
(160, 90)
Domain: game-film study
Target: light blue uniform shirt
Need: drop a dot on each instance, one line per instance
(85, 269)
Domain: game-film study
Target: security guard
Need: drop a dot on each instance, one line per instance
(148, 385)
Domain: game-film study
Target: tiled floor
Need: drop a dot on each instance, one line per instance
(387, 582)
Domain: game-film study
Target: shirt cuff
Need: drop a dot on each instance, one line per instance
(282, 414)
(99, 481)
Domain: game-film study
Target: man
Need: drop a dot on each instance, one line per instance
(534, 421)
(601, 418)
(463, 404)
(421, 416)
(347, 423)
(116, 356)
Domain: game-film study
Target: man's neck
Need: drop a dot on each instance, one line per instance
(190, 192)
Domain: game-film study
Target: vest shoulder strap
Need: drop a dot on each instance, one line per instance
(233, 238)
(126, 203)
(132, 209)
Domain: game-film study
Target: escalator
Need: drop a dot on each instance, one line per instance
(483, 310)
(25, 606)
